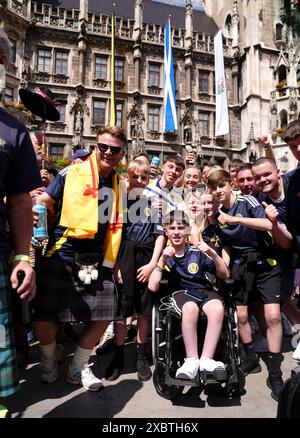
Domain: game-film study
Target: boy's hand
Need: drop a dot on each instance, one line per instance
(264, 140)
(169, 251)
(271, 211)
(157, 204)
(144, 272)
(203, 247)
(226, 219)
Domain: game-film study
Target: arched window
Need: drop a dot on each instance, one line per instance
(228, 25)
(283, 119)
(279, 28)
(281, 73)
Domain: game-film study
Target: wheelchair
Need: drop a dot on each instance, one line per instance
(168, 349)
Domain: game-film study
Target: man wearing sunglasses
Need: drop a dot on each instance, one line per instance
(74, 282)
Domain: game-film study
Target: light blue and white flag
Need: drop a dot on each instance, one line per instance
(222, 123)
(170, 117)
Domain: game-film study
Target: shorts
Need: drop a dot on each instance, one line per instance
(141, 302)
(61, 297)
(266, 287)
(181, 298)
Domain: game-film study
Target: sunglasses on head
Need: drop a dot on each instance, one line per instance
(115, 150)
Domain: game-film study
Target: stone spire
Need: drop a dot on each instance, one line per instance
(84, 7)
(138, 19)
(235, 25)
(189, 15)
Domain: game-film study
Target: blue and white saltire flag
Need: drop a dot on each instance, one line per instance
(170, 117)
(222, 122)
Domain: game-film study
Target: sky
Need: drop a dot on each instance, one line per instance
(196, 3)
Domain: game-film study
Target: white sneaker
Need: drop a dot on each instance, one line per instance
(107, 337)
(49, 371)
(296, 354)
(84, 377)
(189, 369)
(211, 365)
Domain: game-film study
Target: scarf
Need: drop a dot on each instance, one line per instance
(80, 207)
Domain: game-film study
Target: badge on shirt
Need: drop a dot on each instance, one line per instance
(147, 211)
(193, 268)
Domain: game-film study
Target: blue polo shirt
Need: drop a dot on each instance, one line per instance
(19, 171)
(188, 271)
(240, 238)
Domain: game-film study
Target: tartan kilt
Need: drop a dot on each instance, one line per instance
(9, 378)
(61, 297)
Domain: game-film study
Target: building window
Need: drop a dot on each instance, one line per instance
(13, 51)
(9, 94)
(99, 107)
(62, 113)
(57, 149)
(153, 118)
(101, 67)
(119, 114)
(203, 124)
(61, 63)
(154, 75)
(203, 81)
(119, 70)
(44, 60)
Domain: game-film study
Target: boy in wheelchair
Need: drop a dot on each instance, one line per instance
(184, 267)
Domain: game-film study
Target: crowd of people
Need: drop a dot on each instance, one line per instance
(112, 238)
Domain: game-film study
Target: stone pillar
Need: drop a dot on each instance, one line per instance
(188, 44)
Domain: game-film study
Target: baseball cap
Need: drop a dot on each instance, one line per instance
(80, 153)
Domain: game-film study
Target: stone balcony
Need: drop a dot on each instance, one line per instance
(60, 17)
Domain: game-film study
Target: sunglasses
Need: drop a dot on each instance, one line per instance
(115, 150)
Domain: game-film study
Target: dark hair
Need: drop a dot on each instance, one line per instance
(175, 158)
(176, 216)
(216, 177)
(245, 166)
(264, 160)
(235, 161)
(292, 131)
(115, 131)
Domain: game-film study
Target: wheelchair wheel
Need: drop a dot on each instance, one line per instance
(169, 392)
(157, 334)
(237, 388)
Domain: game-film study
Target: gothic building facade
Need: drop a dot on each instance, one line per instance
(66, 45)
(265, 38)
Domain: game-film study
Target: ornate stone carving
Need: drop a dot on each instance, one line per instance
(100, 83)
(60, 79)
(153, 135)
(153, 89)
(57, 127)
(41, 76)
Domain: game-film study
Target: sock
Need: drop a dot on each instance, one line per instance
(81, 357)
(249, 351)
(48, 351)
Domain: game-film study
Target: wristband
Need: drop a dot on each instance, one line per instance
(21, 258)
(159, 268)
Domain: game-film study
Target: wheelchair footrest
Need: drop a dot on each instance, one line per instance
(183, 382)
(217, 375)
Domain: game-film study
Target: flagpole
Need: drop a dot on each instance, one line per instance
(112, 71)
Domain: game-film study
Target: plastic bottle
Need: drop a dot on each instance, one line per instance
(40, 230)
